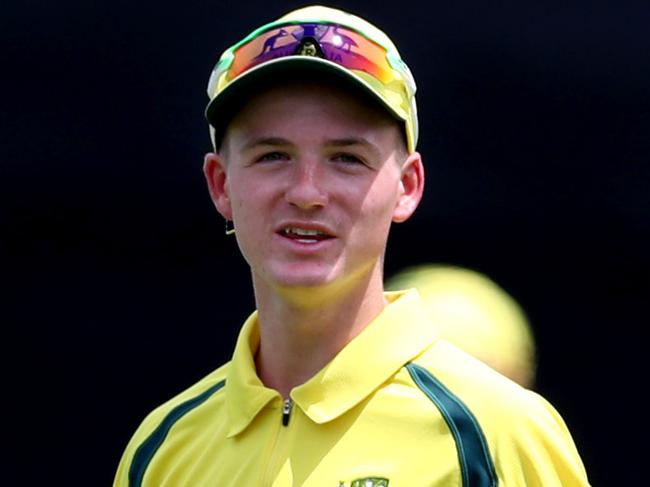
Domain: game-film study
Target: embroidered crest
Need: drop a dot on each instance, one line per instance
(307, 48)
(367, 482)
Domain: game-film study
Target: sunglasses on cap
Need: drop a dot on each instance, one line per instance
(336, 43)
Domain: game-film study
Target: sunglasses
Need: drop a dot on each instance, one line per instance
(338, 44)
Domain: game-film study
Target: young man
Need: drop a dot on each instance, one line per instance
(334, 382)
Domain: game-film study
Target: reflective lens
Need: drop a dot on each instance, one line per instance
(329, 41)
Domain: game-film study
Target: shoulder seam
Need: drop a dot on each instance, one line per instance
(476, 464)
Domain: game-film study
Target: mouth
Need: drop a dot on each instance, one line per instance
(305, 235)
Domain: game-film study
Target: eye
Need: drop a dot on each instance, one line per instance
(272, 156)
(347, 158)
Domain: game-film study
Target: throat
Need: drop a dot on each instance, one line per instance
(296, 343)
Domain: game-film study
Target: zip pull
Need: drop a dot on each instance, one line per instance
(286, 411)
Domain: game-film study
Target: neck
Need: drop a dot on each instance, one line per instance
(301, 330)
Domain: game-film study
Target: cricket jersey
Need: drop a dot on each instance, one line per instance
(396, 407)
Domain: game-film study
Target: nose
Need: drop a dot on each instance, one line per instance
(306, 185)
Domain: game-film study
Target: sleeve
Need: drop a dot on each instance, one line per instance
(146, 427)
(130, 474)
(122, 475)
(538, 450)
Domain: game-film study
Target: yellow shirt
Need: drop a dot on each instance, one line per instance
(396, 407)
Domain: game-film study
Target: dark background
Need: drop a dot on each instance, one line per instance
(119, 288)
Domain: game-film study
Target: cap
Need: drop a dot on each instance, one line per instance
(314, 40)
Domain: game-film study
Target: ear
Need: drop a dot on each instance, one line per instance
(214, 169)
(411, 188)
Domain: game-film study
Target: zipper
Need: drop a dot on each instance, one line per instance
(278, 444)
(286, 411)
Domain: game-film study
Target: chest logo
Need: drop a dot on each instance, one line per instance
(367, 482)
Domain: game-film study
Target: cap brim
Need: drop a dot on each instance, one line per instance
(233, 97)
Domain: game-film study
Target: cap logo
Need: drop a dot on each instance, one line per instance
(309, 47)
(367, 482)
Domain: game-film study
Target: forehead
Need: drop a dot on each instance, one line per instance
(322, 106)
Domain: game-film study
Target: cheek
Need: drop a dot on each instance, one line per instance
(375, 217)
(251, 210)
(381, 200)
(238, 208)
(248, 225)
(245, 198)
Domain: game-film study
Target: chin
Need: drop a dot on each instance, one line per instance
(308, 277)
(307, 282)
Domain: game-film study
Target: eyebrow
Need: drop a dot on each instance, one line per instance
(349, 141)
(282, 142)
(354, 141)
(265, 141)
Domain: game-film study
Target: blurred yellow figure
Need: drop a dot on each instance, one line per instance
(476, 314)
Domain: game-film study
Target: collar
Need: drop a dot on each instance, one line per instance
(395, 337)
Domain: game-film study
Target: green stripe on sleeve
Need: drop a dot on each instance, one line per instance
(148, 448)
(475, 462)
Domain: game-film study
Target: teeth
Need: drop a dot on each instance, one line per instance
(302, 231)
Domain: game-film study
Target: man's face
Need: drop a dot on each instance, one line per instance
(312, 179)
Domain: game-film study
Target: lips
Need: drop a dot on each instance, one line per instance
(305, 234)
